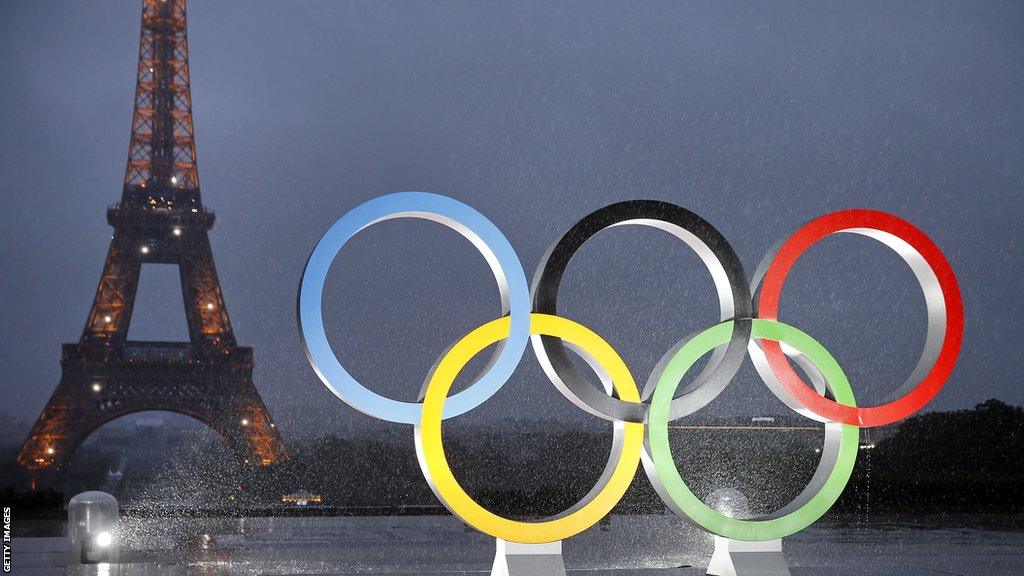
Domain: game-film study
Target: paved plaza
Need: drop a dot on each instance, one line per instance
(627, 545)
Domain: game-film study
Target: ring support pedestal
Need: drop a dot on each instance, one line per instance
(515, 559)
(739, 558)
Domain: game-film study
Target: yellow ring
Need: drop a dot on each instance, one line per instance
(430, 449)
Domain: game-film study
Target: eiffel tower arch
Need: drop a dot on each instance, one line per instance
(160, 219)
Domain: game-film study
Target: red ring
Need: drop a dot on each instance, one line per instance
(768, 307)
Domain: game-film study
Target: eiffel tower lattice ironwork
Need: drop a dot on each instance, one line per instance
(160, 219)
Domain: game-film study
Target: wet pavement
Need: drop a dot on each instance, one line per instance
(627, 545)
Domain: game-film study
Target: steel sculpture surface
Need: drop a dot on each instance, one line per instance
(640, 420)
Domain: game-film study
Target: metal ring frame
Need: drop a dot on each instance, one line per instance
(627, 437)
(942, 299)
(726, 272)
(472, 225)
(837, 458)
(640, 421)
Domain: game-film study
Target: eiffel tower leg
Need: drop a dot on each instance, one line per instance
(48, 442)
(204, 305)
(246, 424)
(95, 390)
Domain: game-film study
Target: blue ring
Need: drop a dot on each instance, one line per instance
(475, 227)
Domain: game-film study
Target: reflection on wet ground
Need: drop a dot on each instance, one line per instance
(626, 545)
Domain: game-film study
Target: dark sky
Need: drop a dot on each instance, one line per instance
(758, 117)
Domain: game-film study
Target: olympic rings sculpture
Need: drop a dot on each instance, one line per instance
(749, 325)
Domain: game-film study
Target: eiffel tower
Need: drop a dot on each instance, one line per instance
(160, 219)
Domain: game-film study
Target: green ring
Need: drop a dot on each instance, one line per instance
(660, 453)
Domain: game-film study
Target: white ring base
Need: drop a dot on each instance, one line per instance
(515, 559)
(739, 558)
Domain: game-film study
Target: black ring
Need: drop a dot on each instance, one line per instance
(730, 282)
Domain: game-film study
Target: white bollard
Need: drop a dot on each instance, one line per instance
(92, 519)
